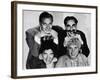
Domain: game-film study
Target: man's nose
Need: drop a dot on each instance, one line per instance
(71, 29)
(47, 56)
(48, 26)
(72, 50)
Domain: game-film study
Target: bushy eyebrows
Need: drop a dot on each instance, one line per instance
(70, 25)
(73, 24)
(46, 23)
(67, 25)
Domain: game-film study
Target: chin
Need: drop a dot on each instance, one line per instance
(73, 57)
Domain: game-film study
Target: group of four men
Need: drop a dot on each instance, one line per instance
(47, 43)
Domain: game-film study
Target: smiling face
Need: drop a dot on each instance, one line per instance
(48, 56)
(71, 27)
(73, 47)
(46, 25)
(73, 51)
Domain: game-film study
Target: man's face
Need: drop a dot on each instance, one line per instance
(48, 56)
(71, 26)
(73, 51)
(46, 25)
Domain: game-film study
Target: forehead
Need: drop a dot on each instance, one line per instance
(71, 21)
(47, 20)
(73, 45)
(48, 51)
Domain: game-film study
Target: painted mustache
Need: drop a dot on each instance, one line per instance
(74, 31)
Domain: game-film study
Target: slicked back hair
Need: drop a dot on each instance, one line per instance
(44, 15)
(70, 18)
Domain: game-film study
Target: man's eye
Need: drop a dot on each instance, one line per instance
(74, 25)
(51, 55)
(44, 53)
(68, 25)
(69, 48)
(50, 23)
(43, 23)
(76, 47)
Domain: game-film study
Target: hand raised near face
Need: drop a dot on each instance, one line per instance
(42, 34)
(55, 36)
(79, 37)
(67, 38)
(38, 36)
(71, 33)
(54, 33)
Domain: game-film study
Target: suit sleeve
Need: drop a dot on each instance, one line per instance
(84, 47)
(29, 40)
(33, 46)
(61, 35)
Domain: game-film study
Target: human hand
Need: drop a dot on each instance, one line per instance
(67, 38)
(54, 34)
(42, 34)
(38, 36)
(79, 37)
(70, 34)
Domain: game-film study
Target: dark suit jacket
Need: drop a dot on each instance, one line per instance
(84, 47)
(34, 47)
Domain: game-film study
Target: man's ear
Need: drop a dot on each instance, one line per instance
(40, 57)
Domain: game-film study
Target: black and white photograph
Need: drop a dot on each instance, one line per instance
(54, 39)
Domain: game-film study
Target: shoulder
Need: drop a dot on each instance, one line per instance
(61, 61)
(64, 57)
(32, 31)
(83, 57)
(57, 28)
(80, 32)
